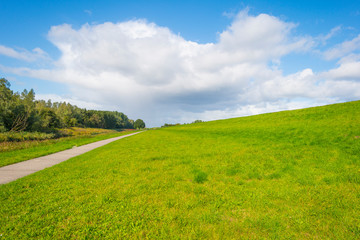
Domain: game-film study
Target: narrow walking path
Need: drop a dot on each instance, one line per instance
(18, 170)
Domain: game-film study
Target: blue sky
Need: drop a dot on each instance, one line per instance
(177, 61)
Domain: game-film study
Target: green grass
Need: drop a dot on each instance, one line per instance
(286, 175)
(13, 152)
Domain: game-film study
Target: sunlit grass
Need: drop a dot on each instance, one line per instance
(13, 152)
(287, 175)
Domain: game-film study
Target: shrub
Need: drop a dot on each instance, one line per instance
(200, 177)
(24, 136)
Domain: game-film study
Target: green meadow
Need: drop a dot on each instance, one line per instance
(285, 175)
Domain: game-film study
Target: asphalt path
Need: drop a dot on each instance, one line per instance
(18, 170)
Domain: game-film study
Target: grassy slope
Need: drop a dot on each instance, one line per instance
(32, 149)
(287, 175)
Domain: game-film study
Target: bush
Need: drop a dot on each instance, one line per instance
(139, 124)
(25, 136)
(200, 176)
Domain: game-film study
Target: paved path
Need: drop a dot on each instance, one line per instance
(18, 170)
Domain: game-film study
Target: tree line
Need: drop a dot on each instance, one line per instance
(178, 124)
(21, 112)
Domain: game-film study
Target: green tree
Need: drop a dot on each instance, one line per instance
(27, 99)
(197, 121)
(6, 96)
(96, 120)
(138, 124)
(49, 120)
(19, 112)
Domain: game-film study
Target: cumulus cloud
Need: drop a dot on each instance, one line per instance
(346, 71)
(260, 38)
(147, 71)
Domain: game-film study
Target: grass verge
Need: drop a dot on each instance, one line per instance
(13, 152)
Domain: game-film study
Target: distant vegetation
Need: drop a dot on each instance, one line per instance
(170, 125)
(138, 124)
(178, 124)
(197, 121)
(285, 175)
(21, 112)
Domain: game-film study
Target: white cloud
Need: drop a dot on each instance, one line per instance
(147, 71)
(261, 37)
(247, 110)
(69, 99)
(324, 38)
(346, 71)
(22, 54)
(343, 49)
(347, 75)
(89, 12)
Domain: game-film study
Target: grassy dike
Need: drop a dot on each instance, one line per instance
(13, 152)
(286, 175)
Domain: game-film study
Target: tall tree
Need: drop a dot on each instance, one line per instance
(139, 124)
(5, 102)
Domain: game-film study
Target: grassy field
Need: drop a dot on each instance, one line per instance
(13, 152)
(286, 175)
